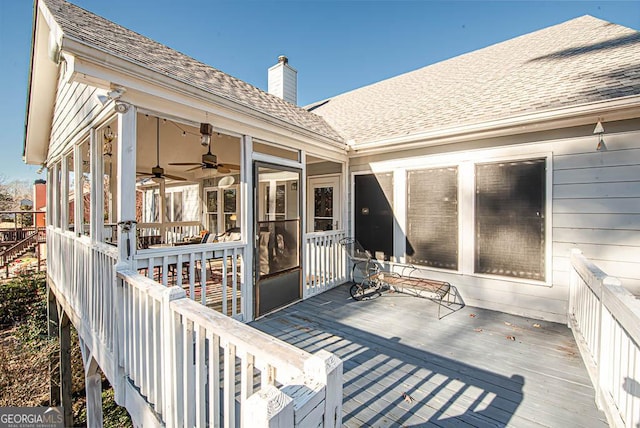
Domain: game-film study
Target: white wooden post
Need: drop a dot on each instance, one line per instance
(326, 368)
(64, 195)
(50, 189)
(168, 346)
(269, 407)
(78, 214)
(93, 388)
(127, 128)
(400, 216)
(55, 206)
(97, 186)
(302, 207)
(247, 221)
(163, 212)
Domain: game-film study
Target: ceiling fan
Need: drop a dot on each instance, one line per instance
(209, 160)
(157, 172)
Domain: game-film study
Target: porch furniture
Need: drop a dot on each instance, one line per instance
(369, 275)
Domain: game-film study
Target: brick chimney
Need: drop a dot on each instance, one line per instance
(283, 80)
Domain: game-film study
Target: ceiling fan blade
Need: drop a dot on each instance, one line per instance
(223, 169)
(208, 162)
(184, 163)
(229, 166)
(175, 177)
(140, 173)
(194, 168)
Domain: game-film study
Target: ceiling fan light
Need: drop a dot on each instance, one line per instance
(206, 129)
(226, 181)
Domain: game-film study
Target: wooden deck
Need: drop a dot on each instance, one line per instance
(474, 367)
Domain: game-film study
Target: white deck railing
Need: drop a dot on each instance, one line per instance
(84, 272)
(211, 273)
(605, 319)
(200, 368)
(325, 266)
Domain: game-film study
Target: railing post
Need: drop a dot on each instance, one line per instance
(326, 368)
(170, 372)
(118, 338)
(573, 282)
(267, 408)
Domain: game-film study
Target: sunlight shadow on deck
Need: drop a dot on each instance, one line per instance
(404, 367)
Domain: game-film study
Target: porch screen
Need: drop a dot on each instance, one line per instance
(432, 217)
(510, 229)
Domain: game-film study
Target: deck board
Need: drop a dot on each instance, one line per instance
(462, 370)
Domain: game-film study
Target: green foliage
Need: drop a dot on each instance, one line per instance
(113, 415)
(21, 297)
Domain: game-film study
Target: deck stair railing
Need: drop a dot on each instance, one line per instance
(18, 249)
(605, 319)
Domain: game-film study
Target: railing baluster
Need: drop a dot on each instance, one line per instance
(200, 377)
(229, 385)
(214, 378)
(203, 277)
(246, 379)
(224, 282)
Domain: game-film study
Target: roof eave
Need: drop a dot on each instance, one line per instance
(117, 64)
(41, 89)
(609, 110)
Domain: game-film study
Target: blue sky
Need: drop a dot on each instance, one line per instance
(336, 46)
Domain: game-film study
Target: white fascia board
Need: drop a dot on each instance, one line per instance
(618, 109)
(95, 67)
(43, 81)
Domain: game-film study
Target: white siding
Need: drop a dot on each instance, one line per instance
(75, 107)
(595, 206)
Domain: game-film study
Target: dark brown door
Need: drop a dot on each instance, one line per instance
(374, 213)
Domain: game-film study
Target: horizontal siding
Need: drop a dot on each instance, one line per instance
(75, 108)
(608, 174)
(595, 207)
(598, 190)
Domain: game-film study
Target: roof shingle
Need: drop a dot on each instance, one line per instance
(116, 40)
(580, 61)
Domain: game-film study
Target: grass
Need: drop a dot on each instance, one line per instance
(26, 352)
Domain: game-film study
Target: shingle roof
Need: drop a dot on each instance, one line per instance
(114, 39)
(580, 61)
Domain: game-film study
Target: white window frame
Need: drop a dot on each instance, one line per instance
(327, 180)
(465, 162)
(220, 206)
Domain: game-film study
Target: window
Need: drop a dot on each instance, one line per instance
(432, 217)
(509, 222)
(211, 199)
(221, 209)
(230, 208)
(173, 206)
(276, 203)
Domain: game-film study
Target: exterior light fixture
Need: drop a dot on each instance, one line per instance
(599, 129)
(108, 136)
(205, 130)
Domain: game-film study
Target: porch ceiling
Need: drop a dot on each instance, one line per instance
(176, 147)
(403, 367)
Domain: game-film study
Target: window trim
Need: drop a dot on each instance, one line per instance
(220, 213)
(465, 162)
